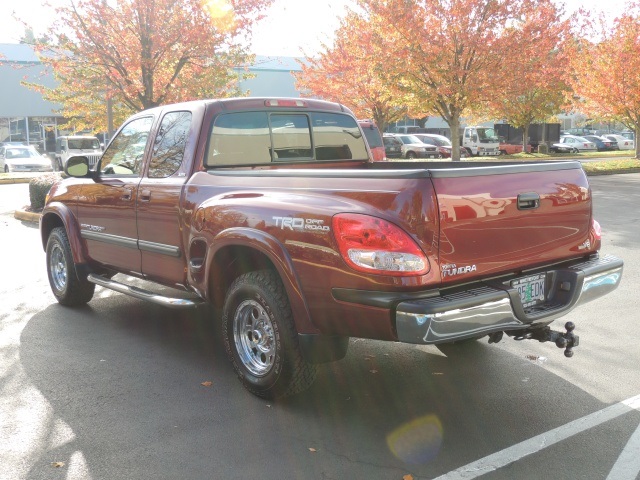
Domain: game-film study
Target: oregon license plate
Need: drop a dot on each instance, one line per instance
(531, 289)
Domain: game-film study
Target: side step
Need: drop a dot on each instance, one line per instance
(145, 294)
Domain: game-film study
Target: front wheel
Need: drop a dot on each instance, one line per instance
(260, 337)
(68, 288)
(411, 155)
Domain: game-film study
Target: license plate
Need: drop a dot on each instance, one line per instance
(531, 289)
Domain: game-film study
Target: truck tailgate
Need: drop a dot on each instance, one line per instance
(503, 219)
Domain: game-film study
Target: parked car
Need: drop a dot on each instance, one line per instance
(602, 144)
(573, 144)
(23, 158)
(440, 141)
(392, 146)
(221, 209)
(412, 147)
(374, 139)
(624, 143)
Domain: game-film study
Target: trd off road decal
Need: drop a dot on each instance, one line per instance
(301, 224)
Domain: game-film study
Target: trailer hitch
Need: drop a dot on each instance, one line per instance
(566, 340)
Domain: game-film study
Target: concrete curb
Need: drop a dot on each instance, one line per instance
(5, 181)
(27, 216)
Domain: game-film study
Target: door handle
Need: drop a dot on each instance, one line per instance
(145, 195)
(127, 194)
(528, 201)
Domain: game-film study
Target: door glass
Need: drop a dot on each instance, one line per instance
(169, 145)
(126, 151)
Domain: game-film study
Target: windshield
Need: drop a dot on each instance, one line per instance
(440, 142)
(84, 144)
(21, 153)
(487, 135)
(407, 139)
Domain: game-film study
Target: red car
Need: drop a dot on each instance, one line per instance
(374, 139)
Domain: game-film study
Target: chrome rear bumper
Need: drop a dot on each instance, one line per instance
(496, 306)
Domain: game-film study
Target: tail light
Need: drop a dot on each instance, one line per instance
(596, 228)
(373, 245)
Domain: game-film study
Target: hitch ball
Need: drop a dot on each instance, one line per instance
(568, 340)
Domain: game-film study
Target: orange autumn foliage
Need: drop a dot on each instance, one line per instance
(606, 69)
(449, 56)
(350, 72)
(144, 53)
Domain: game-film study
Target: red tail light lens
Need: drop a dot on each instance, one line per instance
(373, 245)
(597, 229)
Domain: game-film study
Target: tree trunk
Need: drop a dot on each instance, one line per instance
(454, 127)
(525, 138)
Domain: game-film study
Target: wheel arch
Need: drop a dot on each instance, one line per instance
(59, 215)
(239, 250)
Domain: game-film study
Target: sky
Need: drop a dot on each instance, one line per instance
(292, 27)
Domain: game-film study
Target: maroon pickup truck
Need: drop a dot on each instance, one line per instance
(273, 211)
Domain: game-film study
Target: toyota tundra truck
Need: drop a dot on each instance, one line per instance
(272, 215)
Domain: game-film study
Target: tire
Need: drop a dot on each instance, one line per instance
(67, 287)
(260, 337)
(411, 155)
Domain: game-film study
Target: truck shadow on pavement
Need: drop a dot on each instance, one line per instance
(122, 381)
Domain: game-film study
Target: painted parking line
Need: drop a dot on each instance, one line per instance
(625, 464)
(627, 467)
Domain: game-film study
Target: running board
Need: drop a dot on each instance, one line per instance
(144, 294)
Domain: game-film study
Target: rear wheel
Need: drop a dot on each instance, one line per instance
(260, 337)
(67, 287)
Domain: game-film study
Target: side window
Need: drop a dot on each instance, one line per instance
(126, 151)
(240, 139)
(169, 145)
(291, 136)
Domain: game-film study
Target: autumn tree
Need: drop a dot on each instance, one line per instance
(351, 72)
(606, 70)
(535, 83)
(144, 53)
(448, 55)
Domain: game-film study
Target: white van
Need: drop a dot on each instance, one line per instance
(69, 146)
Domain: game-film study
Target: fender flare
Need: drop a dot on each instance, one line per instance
(60, 211)
(274, 250)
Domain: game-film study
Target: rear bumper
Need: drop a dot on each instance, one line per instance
(496, 306)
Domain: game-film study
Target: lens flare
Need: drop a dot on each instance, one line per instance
(418, 441)
(221, 13)
(218, 8)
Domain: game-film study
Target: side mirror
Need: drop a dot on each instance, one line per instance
(77, 167)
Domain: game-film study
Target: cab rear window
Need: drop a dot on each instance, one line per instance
(255, 138)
